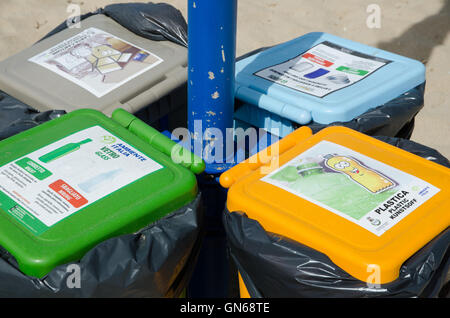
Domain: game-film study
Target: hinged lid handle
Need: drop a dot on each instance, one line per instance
(227, 179)
(273, 105)
(176, 152)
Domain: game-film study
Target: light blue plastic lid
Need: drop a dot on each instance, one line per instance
(324, 78)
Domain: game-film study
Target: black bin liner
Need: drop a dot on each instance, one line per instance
(154, 21)
(16, 116)
(156, 261)
(394, 118)
(274, 266)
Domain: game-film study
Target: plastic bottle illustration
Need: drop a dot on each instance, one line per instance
(97, 181)
(63, 151)
(339, 79)
(371, 180)
(309, 168)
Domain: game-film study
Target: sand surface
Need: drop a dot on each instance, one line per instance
(414, 28)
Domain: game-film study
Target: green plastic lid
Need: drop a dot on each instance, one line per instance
(80, 179)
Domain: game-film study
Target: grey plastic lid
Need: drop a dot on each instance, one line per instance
(87, 68)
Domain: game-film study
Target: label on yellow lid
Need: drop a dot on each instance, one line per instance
(363, 190)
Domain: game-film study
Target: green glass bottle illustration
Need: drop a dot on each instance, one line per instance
(63, 151)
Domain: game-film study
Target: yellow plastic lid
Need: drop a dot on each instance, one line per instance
(366, 204)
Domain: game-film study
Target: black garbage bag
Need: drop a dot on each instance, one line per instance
(159, 22)
(154, 21)
(394, 118)
(156, 261)
(16, 116)
(275, 266)
(417, 149)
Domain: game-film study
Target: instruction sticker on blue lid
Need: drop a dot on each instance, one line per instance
(358, 188)
(50, 184)
(323, 69)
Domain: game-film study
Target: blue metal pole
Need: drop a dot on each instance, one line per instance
(211, 72)
(212, 54)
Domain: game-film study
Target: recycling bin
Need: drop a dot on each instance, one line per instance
(84, 178)
(319, 80)
(345, 211)
(103, 66)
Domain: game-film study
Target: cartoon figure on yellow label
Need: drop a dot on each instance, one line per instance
(371, 180)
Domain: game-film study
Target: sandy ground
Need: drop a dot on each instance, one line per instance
(414, 28)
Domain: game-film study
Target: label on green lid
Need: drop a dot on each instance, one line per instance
(56, 181)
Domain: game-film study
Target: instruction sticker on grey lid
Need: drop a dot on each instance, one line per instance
(97, 61)
(48, 185)
(323, 69)
(358, 188)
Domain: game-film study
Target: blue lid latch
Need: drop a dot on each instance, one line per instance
(261, 100)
